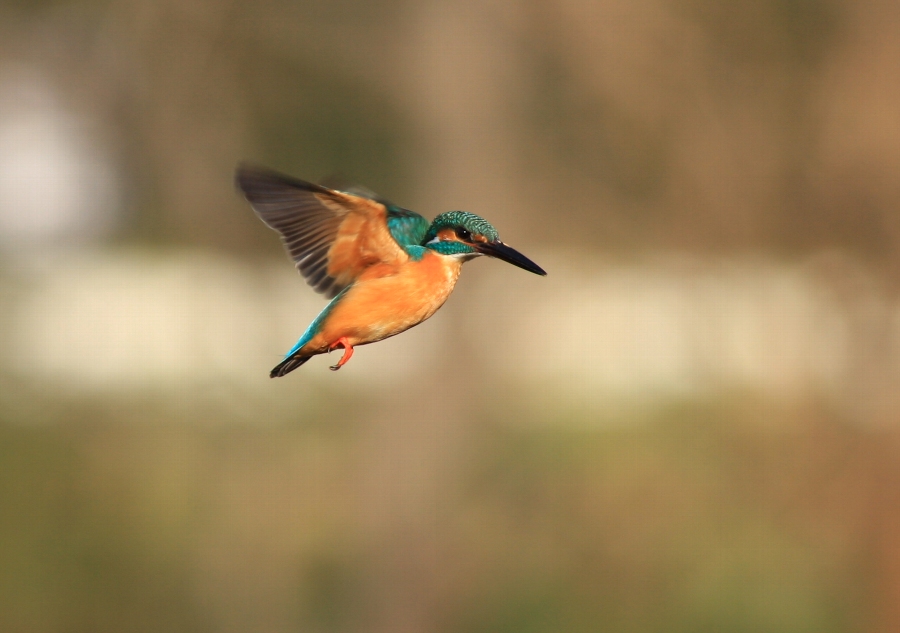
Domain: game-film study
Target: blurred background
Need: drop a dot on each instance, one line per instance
(690, 425)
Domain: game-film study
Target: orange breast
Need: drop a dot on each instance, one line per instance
(388, 299)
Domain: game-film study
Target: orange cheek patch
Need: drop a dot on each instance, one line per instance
(447, 234)
(479, 238)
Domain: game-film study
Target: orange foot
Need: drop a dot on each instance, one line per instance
(348, 352)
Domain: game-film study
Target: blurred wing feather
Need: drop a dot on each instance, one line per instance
(331, 236)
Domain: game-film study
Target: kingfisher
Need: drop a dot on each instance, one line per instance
(385, 268)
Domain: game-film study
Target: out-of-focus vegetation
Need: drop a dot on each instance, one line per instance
(694, 518)
(690, 425)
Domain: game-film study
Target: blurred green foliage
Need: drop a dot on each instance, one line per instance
(339, 124)
(682, 520)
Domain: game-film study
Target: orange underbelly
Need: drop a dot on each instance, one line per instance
(386, 302)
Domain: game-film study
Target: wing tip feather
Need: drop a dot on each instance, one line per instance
(254, 181)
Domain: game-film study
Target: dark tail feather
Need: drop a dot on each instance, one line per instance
(288, 365)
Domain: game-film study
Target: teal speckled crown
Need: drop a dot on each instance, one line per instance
(472, 223)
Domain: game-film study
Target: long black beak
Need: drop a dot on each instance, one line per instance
(508, 254)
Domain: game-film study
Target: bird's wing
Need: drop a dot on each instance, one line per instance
(332, 236)
(407, 227)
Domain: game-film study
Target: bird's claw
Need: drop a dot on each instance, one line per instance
(348, 352)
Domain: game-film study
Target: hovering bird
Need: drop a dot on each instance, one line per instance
(384, 268)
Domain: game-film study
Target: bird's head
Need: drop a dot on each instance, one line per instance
(466, 235)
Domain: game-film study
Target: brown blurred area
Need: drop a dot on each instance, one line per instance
(690, 425)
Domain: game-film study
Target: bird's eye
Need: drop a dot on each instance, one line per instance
(463, 234)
